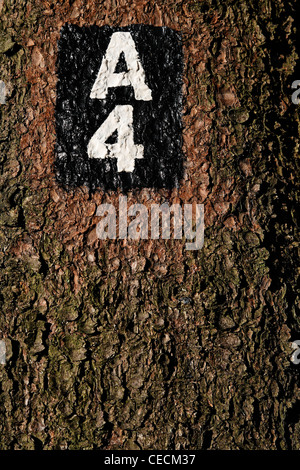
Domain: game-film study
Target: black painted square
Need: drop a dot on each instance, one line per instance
(157, 123)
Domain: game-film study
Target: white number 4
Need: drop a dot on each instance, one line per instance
(125, 150)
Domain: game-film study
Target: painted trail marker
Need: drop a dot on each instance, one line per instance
(119, 107)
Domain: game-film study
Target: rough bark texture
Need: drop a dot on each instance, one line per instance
(144, 345)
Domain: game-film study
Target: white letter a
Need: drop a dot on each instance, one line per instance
(107, 78)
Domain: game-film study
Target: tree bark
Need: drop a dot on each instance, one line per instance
(142, 344)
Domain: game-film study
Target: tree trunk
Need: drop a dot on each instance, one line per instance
(123, 344)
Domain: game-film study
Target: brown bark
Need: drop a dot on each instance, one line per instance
(144, 345)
